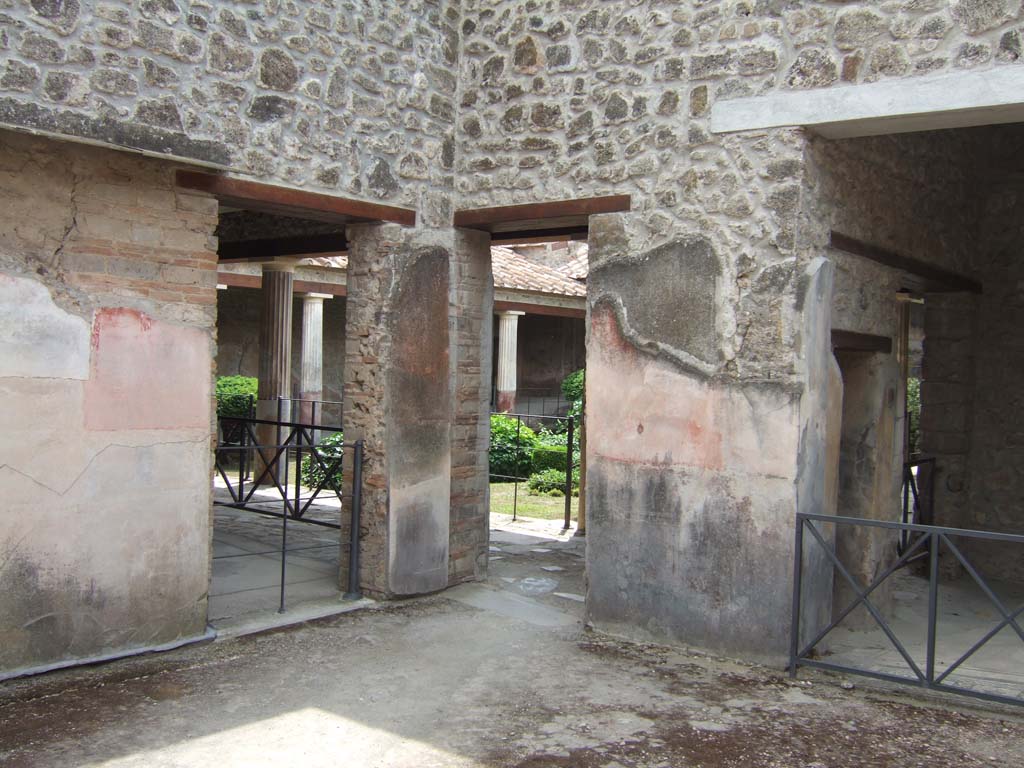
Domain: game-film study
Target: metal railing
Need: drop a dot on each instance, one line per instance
(918, 494)
(260, 464)
(922, 538)
(523, 457)
(537, 401)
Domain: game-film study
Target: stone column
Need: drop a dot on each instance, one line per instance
(275, 360)
(311, 381)
(398, 399)
(508, 328)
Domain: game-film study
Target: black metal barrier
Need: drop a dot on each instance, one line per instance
(263, 464)
(569, 423)
(918, 497)
(921, 538)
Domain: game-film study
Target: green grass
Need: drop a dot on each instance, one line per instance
(545, 507)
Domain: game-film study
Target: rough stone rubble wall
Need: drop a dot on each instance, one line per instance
(352, 99)
(107, 291)
(570, 99)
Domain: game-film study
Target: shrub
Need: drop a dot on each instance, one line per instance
(330, 448)
(543, 483)
(573, 385)
(233, 395)
(549, 457)
(551, 482)
(509, 457)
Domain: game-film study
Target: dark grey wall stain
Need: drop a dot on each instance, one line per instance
(664, 297)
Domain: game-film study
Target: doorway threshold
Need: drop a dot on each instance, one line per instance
(265, 620)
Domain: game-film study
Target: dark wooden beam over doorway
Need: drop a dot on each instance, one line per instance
(331, 244)
(922, 277)
(555, 220)
(286, 201)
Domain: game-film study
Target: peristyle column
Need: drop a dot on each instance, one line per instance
(311, 380)
(508, 328)
(275, 373)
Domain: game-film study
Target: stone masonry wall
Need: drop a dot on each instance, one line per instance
(350, 98)
(107, 297)
(997, 418)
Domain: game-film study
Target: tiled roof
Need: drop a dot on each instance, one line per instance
(577, 268)
(513, 271)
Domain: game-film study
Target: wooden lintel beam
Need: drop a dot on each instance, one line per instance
(506, 218)
(932, 278)
(286, 201)
(538, 309)
(850, 341)
(298, 245)
(557, 234)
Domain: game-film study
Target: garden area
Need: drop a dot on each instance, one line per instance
(535, 461)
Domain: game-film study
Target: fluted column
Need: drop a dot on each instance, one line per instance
(275, 372)
(508, 328)
(311, 378)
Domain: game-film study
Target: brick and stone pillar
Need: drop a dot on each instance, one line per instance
(398, 400)
(508, 329)
(311, 380)
(418, 333)
(472, 309)
(275, 359)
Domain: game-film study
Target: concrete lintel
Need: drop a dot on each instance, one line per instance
(953, 100)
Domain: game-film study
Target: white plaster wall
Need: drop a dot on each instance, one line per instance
(106, 401)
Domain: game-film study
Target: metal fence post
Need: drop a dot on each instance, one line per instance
(354, 592)
(515, 479)
(568, 476)
(933, 605)
(798, 565)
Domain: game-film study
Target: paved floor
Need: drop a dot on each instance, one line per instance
(247, 559)
(965, 616)
(494, 674)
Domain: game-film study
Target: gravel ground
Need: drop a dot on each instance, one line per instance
(436, 682)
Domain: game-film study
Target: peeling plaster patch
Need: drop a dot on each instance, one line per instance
(39, 340)
(146, 374)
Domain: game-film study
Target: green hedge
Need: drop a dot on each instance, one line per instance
(233, 395)
(549, 457)
(508, 457)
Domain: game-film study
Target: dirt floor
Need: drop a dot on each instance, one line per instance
(495, 674)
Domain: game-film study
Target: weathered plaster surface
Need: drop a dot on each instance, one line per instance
(105, 400)
(40, 339)
(690, 498)
(146, 374)
(870, 474)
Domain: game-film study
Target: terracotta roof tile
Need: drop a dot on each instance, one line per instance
(576, 268)
(514, 271)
